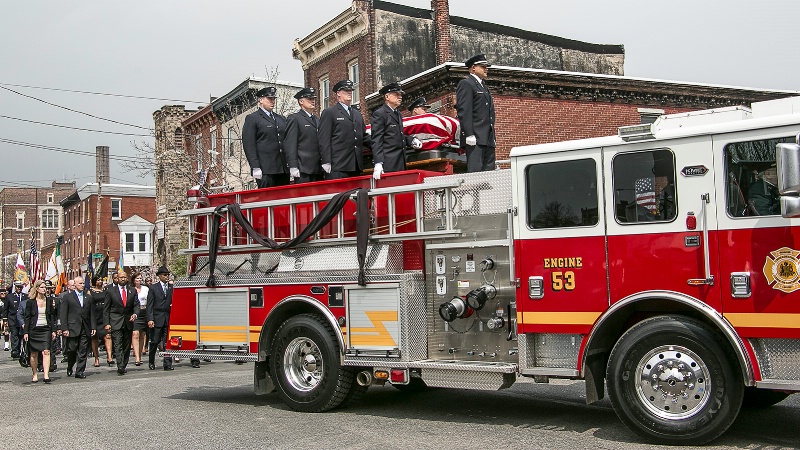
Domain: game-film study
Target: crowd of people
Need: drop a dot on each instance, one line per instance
(306, 148)
(117, 317)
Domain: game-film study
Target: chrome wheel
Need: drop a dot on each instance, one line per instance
(674, 383)
(303, 364)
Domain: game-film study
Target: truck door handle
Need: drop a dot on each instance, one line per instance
(705, 199)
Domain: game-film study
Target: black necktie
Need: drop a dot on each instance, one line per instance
(314, 119)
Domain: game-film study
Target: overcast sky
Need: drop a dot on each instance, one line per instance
(191, 50)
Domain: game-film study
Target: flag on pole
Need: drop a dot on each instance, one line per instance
(102, 268)
(52, 271)
(34, 261)
(20, 273)
(62, 276)
(120, 265)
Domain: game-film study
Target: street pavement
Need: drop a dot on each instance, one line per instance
(214, 407)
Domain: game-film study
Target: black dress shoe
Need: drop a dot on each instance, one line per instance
(152, 366)
(110, 363)
(47, 381)
(137, 363)
(69, 372)
(80, 375)
(15, 355)
(120, 371)
(169, 368)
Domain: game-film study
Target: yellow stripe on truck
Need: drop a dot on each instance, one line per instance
(557, 318)
(763, 320)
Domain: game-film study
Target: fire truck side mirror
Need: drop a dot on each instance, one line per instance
(787, 158)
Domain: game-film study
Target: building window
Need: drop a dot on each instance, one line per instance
(644, 187)
(116, 208)
(50, 218)
(129, 244)
(213, 152)
(562, 194)
(352, 73)
(49, 197)
(324, 92)
(20, 220)
(177, 139)
(231, 138)
(142, 242)
(198, 148)
(19, 243)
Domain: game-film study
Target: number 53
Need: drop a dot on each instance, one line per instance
(563, 280)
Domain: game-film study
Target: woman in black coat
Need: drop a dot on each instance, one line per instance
(39, 329)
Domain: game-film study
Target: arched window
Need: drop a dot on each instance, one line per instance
(50, 218)
(177, 142)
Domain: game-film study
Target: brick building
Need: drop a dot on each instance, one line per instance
(26, 212)
(126, 214)
(535, 106)
(375, 42)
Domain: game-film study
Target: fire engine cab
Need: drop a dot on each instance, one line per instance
(660, 264)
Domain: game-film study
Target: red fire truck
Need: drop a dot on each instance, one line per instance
(660, 264)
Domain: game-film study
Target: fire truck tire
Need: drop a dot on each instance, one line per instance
(762, 398)
(674, 381)
(305, 364)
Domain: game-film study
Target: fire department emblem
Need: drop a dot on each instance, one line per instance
(781, 268)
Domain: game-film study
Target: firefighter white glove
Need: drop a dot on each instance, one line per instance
(294, 172)
(416, 144)
(470, 140)
(326, 168)
(376, 174)
(257, 173)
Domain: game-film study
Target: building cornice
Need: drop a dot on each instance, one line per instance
(342, 30)
(553, 84)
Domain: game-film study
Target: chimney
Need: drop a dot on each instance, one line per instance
(101, 161)
(441, 30)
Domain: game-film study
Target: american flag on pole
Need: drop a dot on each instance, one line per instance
(645, 193)
(35, 271)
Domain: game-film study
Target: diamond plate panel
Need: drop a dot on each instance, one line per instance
(467, 380)
(413, 335)
(525, 353)
(779, 359)
(481, 193)
(553, 350)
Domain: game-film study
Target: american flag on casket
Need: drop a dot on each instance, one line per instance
(433, 130)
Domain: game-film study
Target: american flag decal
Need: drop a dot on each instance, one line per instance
(645, 194)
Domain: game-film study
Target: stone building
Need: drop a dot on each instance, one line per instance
(173, 177)
(122, 221)
(25, 213)
(375, 42)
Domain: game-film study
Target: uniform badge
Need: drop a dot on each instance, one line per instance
(781, 268)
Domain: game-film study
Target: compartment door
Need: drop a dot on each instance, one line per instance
(222, 318)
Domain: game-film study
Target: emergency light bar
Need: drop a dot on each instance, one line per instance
(639, 132)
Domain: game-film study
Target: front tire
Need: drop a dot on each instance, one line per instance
(305, 364)
(674, 381)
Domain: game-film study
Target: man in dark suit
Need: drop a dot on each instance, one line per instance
(302, 144)
(14, 308)
(76, 313)
(342, 135)
(388, 141)
(262, 139)
(159, 305)
(4, 319)
(119, 315)
(475, 108)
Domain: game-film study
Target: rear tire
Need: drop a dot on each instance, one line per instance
(674, 381)
(762, 398)
(305, 365)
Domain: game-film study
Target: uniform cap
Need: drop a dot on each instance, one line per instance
(268, 91)
(344, 85)
(477, 60)
(308, 92)
(391, 87)
(163, 270)
(419, 102)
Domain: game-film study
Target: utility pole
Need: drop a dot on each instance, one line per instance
(102, 171)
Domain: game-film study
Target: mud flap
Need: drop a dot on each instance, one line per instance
(262, 381)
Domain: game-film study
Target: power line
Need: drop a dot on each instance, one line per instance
(129, 182)
(101, 93)
(74, 128)
(75, 111)
(66, 150)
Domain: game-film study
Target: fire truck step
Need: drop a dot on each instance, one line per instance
(214, 356)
